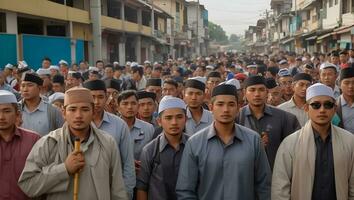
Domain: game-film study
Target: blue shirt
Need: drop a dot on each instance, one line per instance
(40, 120)
(141, 133)
(347, 115)
(193, 127)
(117, 128)
(212, 170)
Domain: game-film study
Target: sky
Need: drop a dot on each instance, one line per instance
(235, 16)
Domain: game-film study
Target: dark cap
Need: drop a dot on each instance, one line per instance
(224, 89)
(145, 94)
(58, 79)
(271, 83)
(214, 74)
(95, 85)
(192, 83)
(32, 77)
(153, 82)
(303, 76)
(112, 83)
(254, 80)
(347, 73)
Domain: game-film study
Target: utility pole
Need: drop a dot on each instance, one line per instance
(197, 31)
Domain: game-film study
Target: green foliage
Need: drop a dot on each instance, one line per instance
(217, 33)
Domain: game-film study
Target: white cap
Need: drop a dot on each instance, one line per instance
(147, 62)
(134, 64)
(207, 59)
(283, 62)
(115, 63)
(22, 64)
(56, 96)
(128, 63)
(63, 62)
(56, 67)
(233, 82)
(328, 65)
(319, 89)
(93, 69)
(168, 102)
(7, 97)
(9, 66)
(199, 78)
(251, 66)
(42, 71)
(211, 67)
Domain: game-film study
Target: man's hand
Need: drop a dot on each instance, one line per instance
(137, 166)
(265, 139)
(75, 162)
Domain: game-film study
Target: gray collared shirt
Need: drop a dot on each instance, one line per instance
(39, 119)
(213, 170)
(277, 123)
(347, 115)
(159, 168)
(291, 107)
(117, 128)
(141, 134)
(193, 127)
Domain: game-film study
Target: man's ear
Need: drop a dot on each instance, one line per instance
(158, 119)
(63, 113)
(306, 107)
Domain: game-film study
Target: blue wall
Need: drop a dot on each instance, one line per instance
(79, 50)
(8, 49)
(35, 47)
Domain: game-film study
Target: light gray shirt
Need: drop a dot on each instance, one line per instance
(291, 107)
(141, 134)
(193, 127)
(117, 128)
(212, 170)
(347, 115)
(41, 119)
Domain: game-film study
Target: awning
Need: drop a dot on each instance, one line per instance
(311, 38)
(324, 36)
(344, 29)
(287, 40)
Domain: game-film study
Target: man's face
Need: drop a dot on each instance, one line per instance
(300, 87)
(308, 71)
(100, 65)
(83, 66)
(199, 72)
(169, 90)
(147, 107)
(285, 84)
(93, 77)
(7, 72)
(212, 83)
(45, 64)
(321, 116)
(29, 90)
(328, 77)
(78, 115)
(8, 116)
(57, 87)
(351, 53)
(156, 73)
(46, 80)
(343, 58)
(108, 71)
(63, 69)
(252, 70)
(172, 121)
(274, 96)
(193, 97)
(335, 60)
(99, 100)
(136, 76)
(72, 82)
(155, 89)
(347, 86)
(128, 108)
(224, 108)
(256, 95)
(117, 73)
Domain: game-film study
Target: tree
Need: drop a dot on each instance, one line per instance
(234, 38)
(217, 33)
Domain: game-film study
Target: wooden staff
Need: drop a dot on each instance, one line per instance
(76, 177)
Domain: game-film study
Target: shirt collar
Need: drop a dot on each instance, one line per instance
(318, 137)
(267, 110)
(237, 132)
(344, 102)
(106, 117)
(41, 106)
(204, 117)
(164, 142)
(137, 124)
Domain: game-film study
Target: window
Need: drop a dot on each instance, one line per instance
(56, 30)
(30, 26)
(308, 15)
(177, 7)
(345, 6)
(2, 22)
(335, 2)
(146, 18)
(114, 9)
(330, 3)
(131, 14)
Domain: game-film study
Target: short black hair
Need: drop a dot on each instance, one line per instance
(171, 82)
(47, 58)
(109, 65)
(126, 94)
(140, 70)
(99, 61)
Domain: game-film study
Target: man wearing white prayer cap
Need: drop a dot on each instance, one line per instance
(316, 161)
(165, 152)
(16, 143)
(329, 75)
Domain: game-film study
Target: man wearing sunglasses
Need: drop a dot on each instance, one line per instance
(316, 162)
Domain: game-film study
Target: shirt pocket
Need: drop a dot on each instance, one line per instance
(140, 137)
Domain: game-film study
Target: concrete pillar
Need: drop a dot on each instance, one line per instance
(122, 15)
(121, 47)
(138, 49)
(95, 13)
(73, 42)
(11, 28)
(140, 19)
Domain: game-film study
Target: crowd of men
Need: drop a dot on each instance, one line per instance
(226, 126)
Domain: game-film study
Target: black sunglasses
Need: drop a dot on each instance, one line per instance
(327, 105)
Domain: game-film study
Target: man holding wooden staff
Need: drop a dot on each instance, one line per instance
(51, 165)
